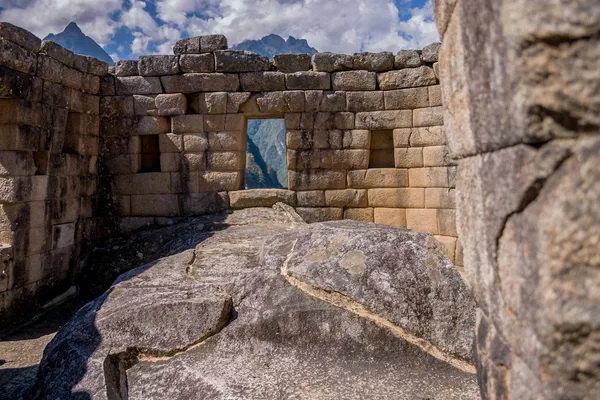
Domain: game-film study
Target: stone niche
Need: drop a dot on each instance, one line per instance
(89, 153)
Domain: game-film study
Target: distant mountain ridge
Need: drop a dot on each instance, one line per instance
(273, 44)
(72, 38)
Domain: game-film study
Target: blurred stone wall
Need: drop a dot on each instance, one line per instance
(520, 83)
(49, 140)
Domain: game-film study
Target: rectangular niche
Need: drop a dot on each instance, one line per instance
(150, 153)
(266, 158)
(381, 153)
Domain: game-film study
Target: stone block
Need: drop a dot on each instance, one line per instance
(408, 157)
(356, 139)
(20, 137)
(225, 161)
(316, 179)
(390, 216)
(192, 123)
(59, 53)
(185, 181)
(384, 119)
(402, 137)
(226, 141)
(240, 61)
(408, 59)
(197, 142)
(116, 106)
(50, 69)
(127, 68)
(201, 82)
(346, 198)
(431, 116)
(294, 100)
(96, 67)
(151, 125)
(365, 101)
(313, 99)
(204, 203)
(344, 120)
(213, 181)
(430, 52)
(328, 62)
(235, 101)
(170, 143)
(158, 65)
(193, 161)
(354, 80)
(189, 45)
(128, 85)
(329, 102)
(17, 58)
(303, 159)
(376, 62)
(308, 80)
(13, 163)
(146, 183)
(261, 198)
(19, 36)
(312, 198)
(169, 162)
(345, 159)
(406, 99)
(320, 214)
(89, 83)
(407, 78)
(447, 222)
(166, 205)
(214, 123)
(213, 43)
(435, 156)
(397, 198)
(63, 235)
(448, 244)
(55, 94)
(429, 177)
(435, 96)
(144, 105)
(196, 63)
(378, 178)
(262, 81)
(290, 63)
(422, 220)
(428, 136)
(298, 139)
(122, 164)
(17, 84)
(213, 103)
(272, 103)
(359, 214)
(171, 104)
(440, 198)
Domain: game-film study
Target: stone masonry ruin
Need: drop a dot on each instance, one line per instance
(89, 154)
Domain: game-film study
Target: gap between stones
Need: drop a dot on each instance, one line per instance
(341, 301)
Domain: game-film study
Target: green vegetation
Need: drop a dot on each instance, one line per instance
(266, 160)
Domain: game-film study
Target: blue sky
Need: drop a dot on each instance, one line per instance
(128, 28)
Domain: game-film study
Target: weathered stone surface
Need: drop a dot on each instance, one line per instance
(308, 80)
(240, 61)
(19, 36)
(96, 67)
(137, 85)
(158, 65)
(127, 68)
(189, 45)
(171, 104)
(261, 198)
(17, 58)
(58, 52)
(262, 81)
(376, 62)
(193, 63)
(384, 119)
(408, 59)
(213, 43)
(290, 63)
(354, 80)
(410, 98)
(430, 52)
(365, 101)
(265, 265)
(190, 83)
(328, 62)
(406, 78)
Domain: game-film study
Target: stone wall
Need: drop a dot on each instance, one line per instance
(520, 83)
(364, 137)
(49, 127)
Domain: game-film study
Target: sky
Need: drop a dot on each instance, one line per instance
(129, 28)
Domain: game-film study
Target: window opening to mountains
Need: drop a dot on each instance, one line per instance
(382, 149)
(266, 159)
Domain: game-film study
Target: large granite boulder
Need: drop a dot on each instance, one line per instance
(270, 307)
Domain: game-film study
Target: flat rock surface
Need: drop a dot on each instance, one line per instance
(232, 318)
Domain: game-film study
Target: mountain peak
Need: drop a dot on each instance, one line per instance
(273, 44)
(72, 38)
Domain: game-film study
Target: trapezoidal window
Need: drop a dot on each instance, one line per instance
(381, 154)
(266, 158)
(150, 153)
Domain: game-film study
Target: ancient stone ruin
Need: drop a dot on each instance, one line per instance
(137, 174)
